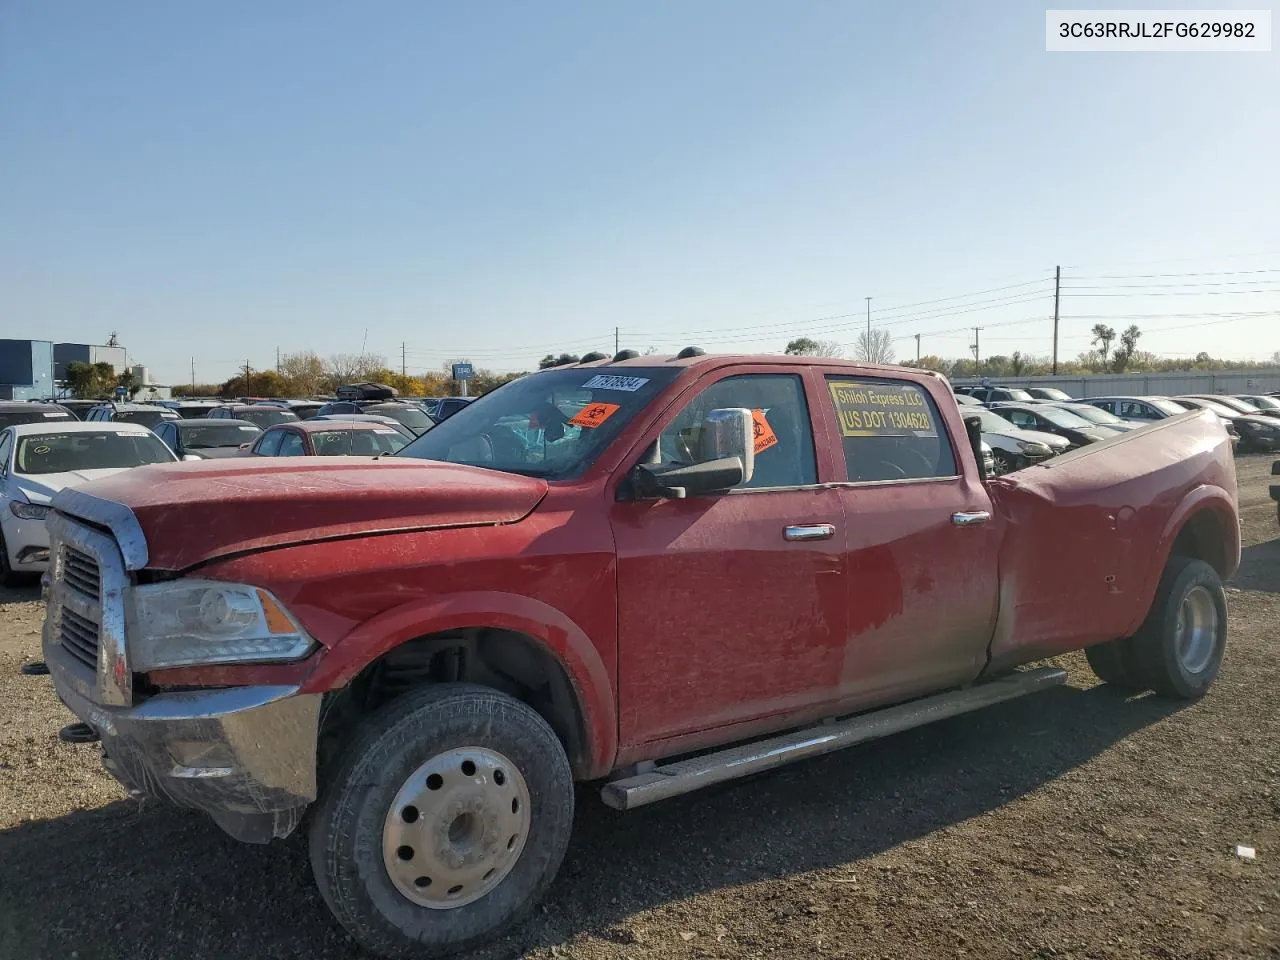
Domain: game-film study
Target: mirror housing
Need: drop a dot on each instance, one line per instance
(973, 427)
(677, 481)
(727, 433)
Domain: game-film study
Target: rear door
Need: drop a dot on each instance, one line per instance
(921, 540)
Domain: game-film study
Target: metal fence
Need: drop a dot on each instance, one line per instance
(1149, 384)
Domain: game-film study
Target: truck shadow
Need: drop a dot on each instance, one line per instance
(1259, 567)
(154, 881)
(26, 593)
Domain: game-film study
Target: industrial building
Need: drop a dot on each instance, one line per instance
(32, 369)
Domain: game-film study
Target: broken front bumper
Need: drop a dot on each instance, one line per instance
(244, 755)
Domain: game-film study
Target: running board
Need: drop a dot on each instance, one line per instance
(685, 776)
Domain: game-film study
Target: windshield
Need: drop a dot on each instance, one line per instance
(1016, 394)
(213, 434)
(551, 424)
(1218, 408)
(266, 416)
(9, 418)
(357, 443)
(43, 453)
(1095, 414)
(1062, 418)
(412, 417)
(1264, 403)
(148, 418)
(1236, 404)
(1051, 393)
(1166, 406)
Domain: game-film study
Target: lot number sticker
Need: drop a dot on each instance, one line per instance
(594, 414)
(764, 435)
(868, 409)
(606, 382)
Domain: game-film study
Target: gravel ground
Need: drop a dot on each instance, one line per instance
(1075, 823)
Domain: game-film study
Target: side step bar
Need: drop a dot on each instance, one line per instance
(685, 776)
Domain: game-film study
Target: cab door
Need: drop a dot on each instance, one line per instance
(922, 542)
(731, 607)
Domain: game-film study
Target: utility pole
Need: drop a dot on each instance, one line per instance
(193, 376)
(277, 359)
(1057, 290)
(977, 346)
(403, 365)
(868, 349)
(247, 391)
(917, 349)
(616, 348)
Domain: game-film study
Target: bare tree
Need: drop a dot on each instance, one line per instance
(1102, 337)
(808, 347)
(343, 368)
(877, 347)
(305, 371)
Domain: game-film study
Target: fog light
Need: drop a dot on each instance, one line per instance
(33, 555)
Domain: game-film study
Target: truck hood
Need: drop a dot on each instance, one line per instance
(191, 513)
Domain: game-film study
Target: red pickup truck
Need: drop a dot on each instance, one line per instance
(656, 573)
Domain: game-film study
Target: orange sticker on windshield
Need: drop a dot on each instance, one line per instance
(764, 435)
(594, 414)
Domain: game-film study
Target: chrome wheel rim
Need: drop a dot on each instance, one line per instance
(1197, 629)
(456, 828)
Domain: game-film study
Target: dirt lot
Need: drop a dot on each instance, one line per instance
(1075, 823)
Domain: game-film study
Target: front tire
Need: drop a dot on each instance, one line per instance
(445, 821)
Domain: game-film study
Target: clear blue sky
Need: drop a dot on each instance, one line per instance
(503, 179)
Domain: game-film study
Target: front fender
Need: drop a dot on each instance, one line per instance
(495, 610)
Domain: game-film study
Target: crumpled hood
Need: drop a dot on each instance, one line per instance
(197, 511)
(41, 488)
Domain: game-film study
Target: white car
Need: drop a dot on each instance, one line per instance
(39, 459)
(1012, 446)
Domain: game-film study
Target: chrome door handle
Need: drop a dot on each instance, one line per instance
(969, 518)
(809, 531)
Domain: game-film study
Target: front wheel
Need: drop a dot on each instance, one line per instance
(446, 820)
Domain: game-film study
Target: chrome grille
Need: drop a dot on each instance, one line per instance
(79, 637)
(81, 573)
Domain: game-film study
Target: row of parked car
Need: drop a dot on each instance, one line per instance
(1027, 426)
(46, 447)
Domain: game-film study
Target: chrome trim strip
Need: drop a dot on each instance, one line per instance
(114, 677)
(116, 517)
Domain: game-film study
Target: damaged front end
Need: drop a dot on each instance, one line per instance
(245, 755)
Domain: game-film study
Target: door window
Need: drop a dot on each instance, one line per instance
(784, 435)
(291, 444)
(6, 445)
(1135, 410)
(1020, 418)
(891, 430)
(269, 445)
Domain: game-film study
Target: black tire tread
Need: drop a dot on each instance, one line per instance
(378, 738)
(1148, 659)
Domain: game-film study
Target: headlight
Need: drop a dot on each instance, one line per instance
(28, 511)
(1033, 447)
(200, 622)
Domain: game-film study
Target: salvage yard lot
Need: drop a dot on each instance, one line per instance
(1074, 823)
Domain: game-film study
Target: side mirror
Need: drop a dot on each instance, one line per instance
(726, 459)
(973, 427)
(727, 433)
(677, 481)
(188, 457)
